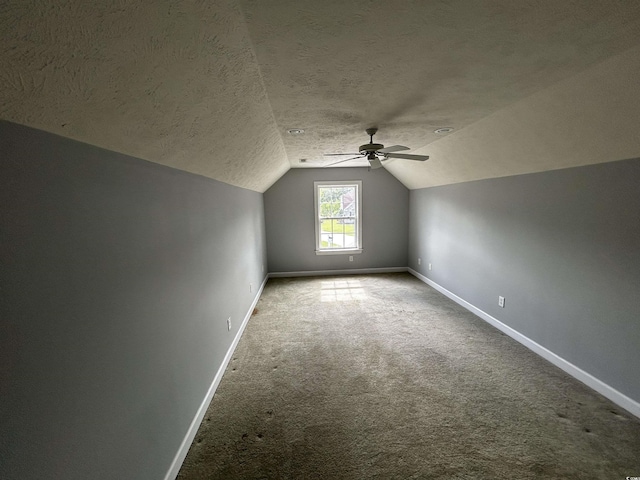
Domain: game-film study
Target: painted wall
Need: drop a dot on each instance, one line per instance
(290, 227)
(562, 247)
(117, 279)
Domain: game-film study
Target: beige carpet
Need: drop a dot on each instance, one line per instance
(380, 376)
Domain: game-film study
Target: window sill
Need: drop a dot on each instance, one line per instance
(350, 251)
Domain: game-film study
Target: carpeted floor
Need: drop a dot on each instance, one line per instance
(380, 376)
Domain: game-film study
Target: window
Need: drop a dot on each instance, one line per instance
(338, 209)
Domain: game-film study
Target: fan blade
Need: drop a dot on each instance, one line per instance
(375, 163)
(336, 154)
(393, 148)
(407, 156)
(342, 161)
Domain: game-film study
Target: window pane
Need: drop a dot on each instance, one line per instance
(339, 233)
(337, 201)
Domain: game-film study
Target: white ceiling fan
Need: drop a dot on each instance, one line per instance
(376, 153)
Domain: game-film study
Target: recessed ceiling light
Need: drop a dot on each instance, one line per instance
(295, 131)
(443, 130)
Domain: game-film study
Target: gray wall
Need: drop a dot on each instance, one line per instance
(562, 247)
(117, 278)
(289, 218)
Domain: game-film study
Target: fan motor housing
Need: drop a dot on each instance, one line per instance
(371, 147)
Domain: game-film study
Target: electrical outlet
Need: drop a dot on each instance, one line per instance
(501, 302)
(229, 323)
(429, 266)
(351, 258)
(419, 261)
(250, 287)
(263, 268)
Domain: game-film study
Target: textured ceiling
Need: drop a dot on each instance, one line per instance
(172, 82)
(212, 87)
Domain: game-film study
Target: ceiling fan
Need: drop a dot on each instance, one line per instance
(376, 153)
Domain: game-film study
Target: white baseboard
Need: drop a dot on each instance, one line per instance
(598, 385)
(347, 271)
(195, 423)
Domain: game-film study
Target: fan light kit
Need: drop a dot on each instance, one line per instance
(295, 131)
(443, 130)
(376, 153)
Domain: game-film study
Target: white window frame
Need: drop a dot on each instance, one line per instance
(338, 183)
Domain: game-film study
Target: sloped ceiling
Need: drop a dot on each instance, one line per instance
(172, 82)
(212, 87)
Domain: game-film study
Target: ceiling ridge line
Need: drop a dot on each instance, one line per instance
(254, 56)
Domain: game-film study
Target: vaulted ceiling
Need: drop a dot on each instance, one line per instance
(213, 87)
